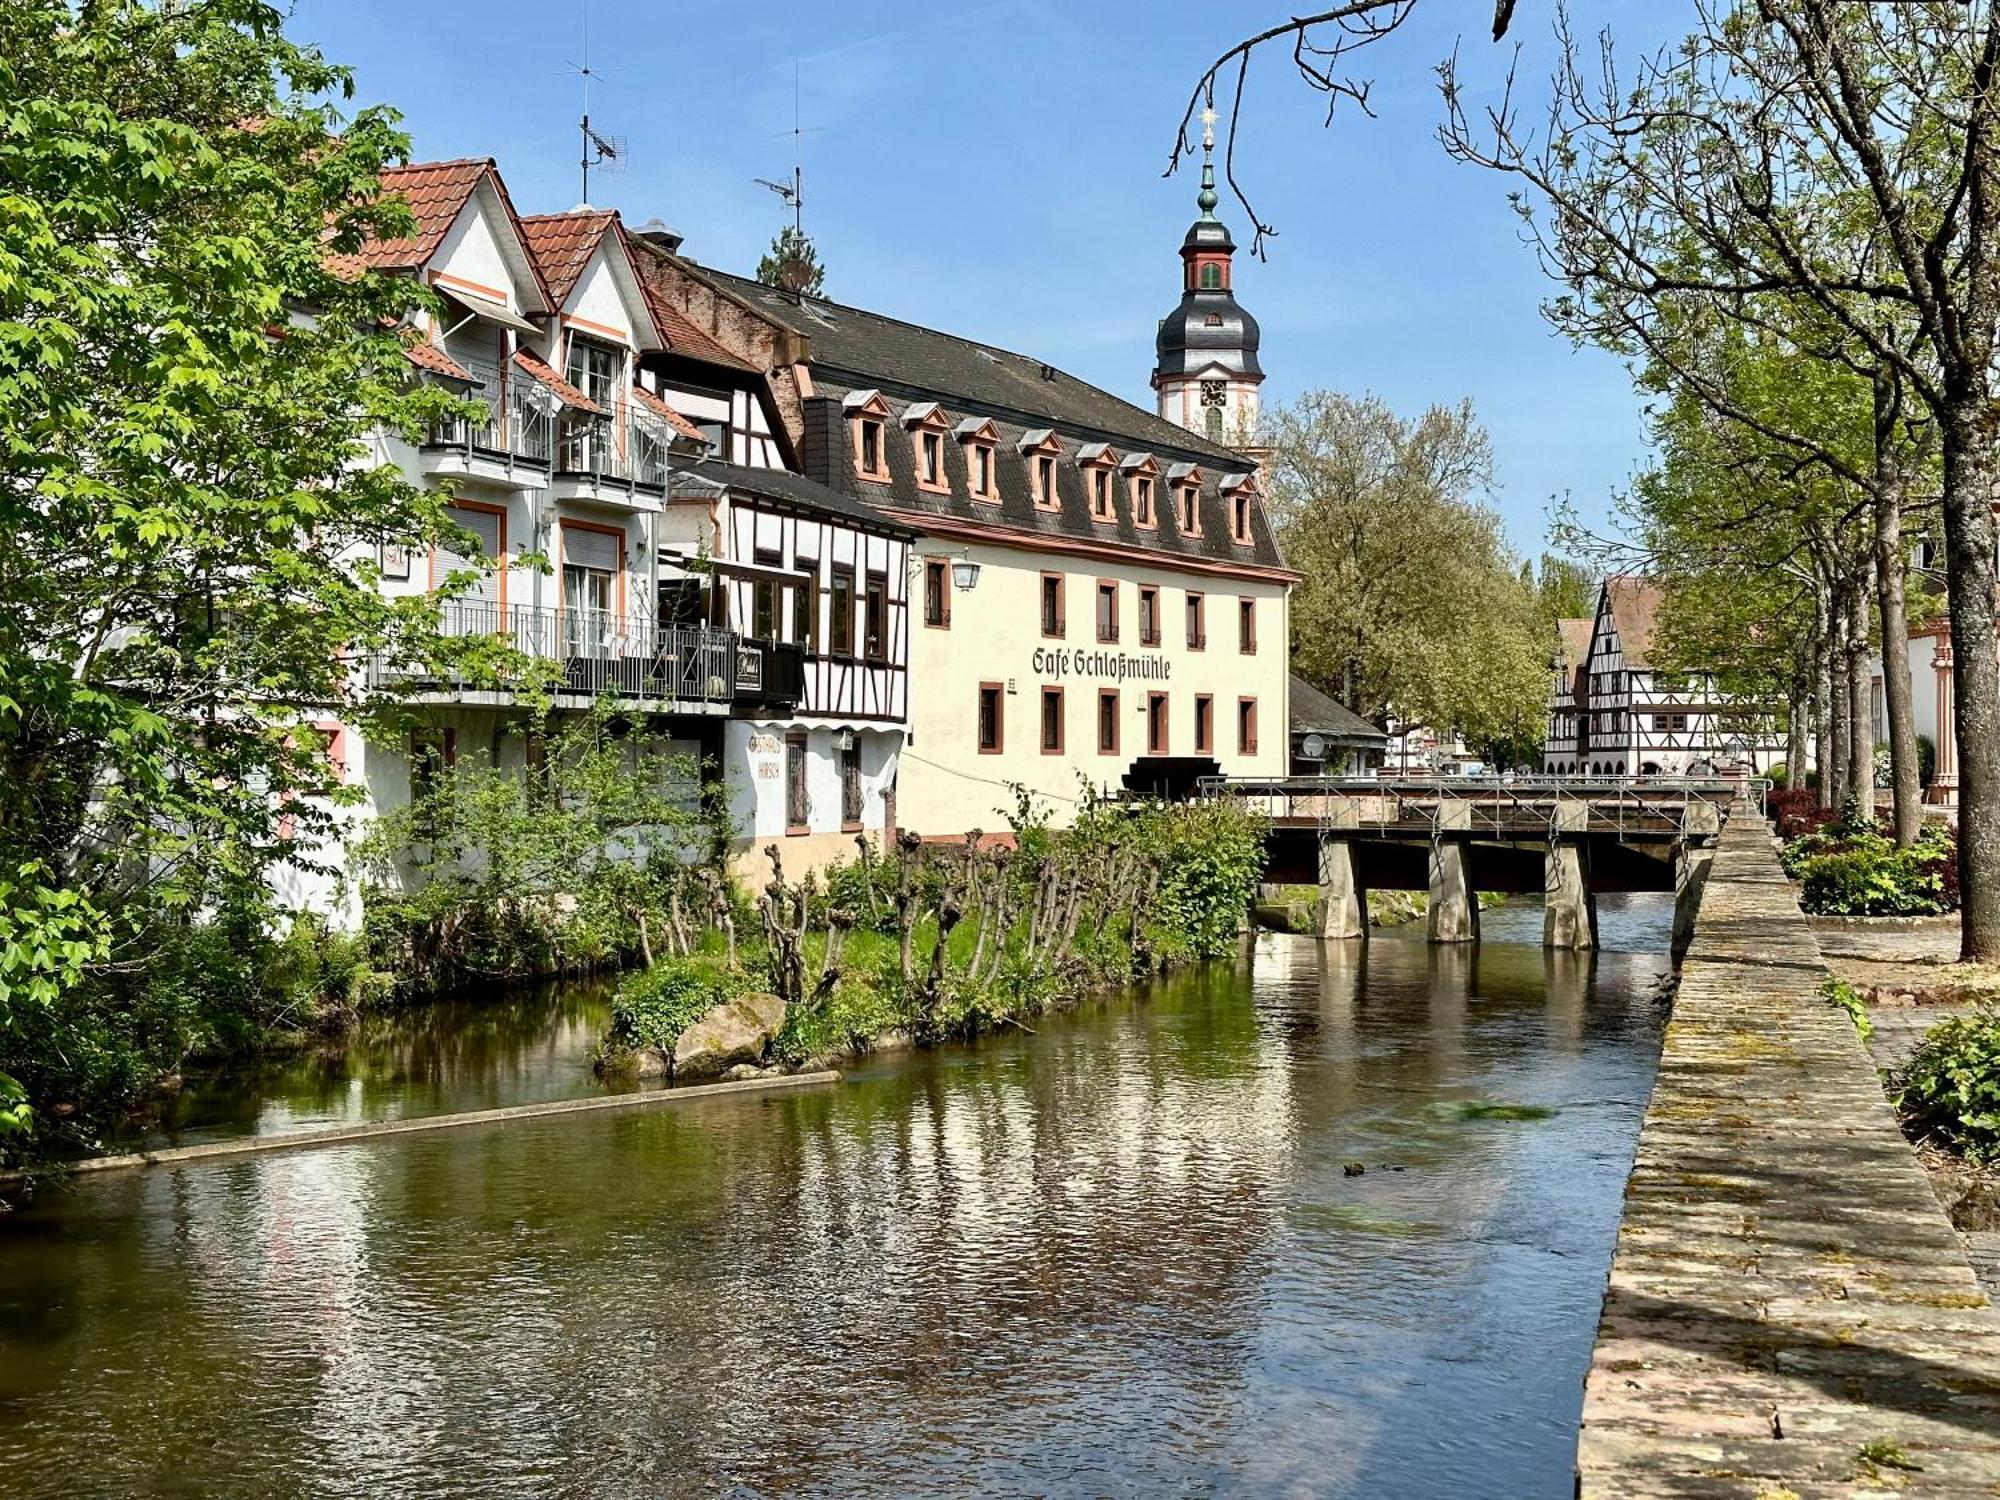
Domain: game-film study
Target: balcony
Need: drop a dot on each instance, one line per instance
(596, 651)
(510, 444)
(622, 456)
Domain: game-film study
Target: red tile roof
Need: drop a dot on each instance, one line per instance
(562, 243)
(568, 394)
(435, 191)
(425, 355)
(667, 414)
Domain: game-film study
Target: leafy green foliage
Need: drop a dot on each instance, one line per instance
(190, 502)
(654, 1006)
(1412, 603)
(1840, 993)
(577, 861)
(792, 264)
(1849, 873)
(1212, 861)
(1951, 1084)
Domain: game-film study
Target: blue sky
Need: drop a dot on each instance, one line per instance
(992, 167)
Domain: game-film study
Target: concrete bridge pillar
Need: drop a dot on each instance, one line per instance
(1569, 910)
(1343, 902)
(1701, 824)
(1454, 905)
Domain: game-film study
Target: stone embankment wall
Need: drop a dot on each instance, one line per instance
(1789, 1313)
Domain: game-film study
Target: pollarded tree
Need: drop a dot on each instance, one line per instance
(1411, 603)
(190, 483)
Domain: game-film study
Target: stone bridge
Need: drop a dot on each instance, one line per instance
(1564, 838)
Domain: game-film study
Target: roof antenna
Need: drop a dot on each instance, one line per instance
(606, 151)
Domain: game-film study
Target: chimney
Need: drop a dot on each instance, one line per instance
(656, 234)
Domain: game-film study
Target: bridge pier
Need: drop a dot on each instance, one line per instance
(1691, 865)
(1454, 905)
(1569, 910)
(1343, 901)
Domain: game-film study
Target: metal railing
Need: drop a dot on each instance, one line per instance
(1516, 806)
(590, 444)
(597, 651)
(513, 427)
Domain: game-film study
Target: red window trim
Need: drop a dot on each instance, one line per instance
(1110, 694)
(1165, 747)
(1042, 708)
(999, 691)
(1061, 631)
(1246, 614)
(1096, 595)
(1204, 729)
(1198, 641)
(939, 565)
(1246, 744)
(1159, 634)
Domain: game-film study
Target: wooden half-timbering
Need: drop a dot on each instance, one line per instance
(856, 669)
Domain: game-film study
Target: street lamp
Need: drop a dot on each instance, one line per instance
(964, 574)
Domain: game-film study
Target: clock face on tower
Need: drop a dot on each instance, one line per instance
(1214, 393)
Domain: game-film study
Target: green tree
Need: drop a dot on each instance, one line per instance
(190, 491)
(792, 264)
(1411, 604)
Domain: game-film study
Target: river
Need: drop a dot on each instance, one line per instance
(1123, 1255)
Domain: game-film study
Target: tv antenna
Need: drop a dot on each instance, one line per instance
(599, 150)
(794, 192)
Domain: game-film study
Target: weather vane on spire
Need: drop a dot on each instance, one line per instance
(1208, 129)
(1206, 198)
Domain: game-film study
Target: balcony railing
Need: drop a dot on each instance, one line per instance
(597, 651)
(513, 427)
(590, 444)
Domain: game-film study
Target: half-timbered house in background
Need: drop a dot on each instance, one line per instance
(1626, 716)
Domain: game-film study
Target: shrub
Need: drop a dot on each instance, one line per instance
(654, 1006)
(1796, 811)
(1951, 1084)
(1926, 760)
(1214, 857)
(1779, 775)
(1871, 877)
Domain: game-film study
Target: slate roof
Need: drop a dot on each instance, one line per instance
(967, 377)
(1313, 712)
(1635, 611)
(782, 484)
(826, 452)
(562, 245)
(435, 191)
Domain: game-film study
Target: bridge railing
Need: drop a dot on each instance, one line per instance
(1516, 806)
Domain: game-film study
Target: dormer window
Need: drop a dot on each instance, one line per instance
(1190, 509)
(1211, 277)
(979, 439)
(1239, 517)
(1041, 447)
(928, 424)
(1099, 465)
(1100, 494)
(1141, 472)
(867, 426)
(1241, 490)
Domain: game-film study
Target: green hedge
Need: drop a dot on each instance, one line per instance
(1951, 1084)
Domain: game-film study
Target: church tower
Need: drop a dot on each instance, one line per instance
(1206, 372)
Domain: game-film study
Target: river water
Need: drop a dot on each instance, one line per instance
(1120, 1256)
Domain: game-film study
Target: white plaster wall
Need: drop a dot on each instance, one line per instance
(470, 250)
(948, 786)
(597, 298)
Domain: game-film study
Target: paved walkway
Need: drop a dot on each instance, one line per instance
(1789, 1313)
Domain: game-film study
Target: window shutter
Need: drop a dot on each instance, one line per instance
(485, 559)
(591, 549)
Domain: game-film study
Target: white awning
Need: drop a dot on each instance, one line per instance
(688, 563)
(486, 307)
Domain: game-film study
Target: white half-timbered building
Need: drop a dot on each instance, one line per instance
(754, 618)
(1614, 712)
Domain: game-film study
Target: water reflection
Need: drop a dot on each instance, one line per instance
(1122, 1255)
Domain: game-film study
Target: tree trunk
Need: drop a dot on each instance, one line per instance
(1860, 697)
(1822, 695)
(1903, 769)
(1797, 707)
(1833, 775)
(1966, 425)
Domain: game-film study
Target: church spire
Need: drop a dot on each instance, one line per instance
(1206, 198)
(1206, 371)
